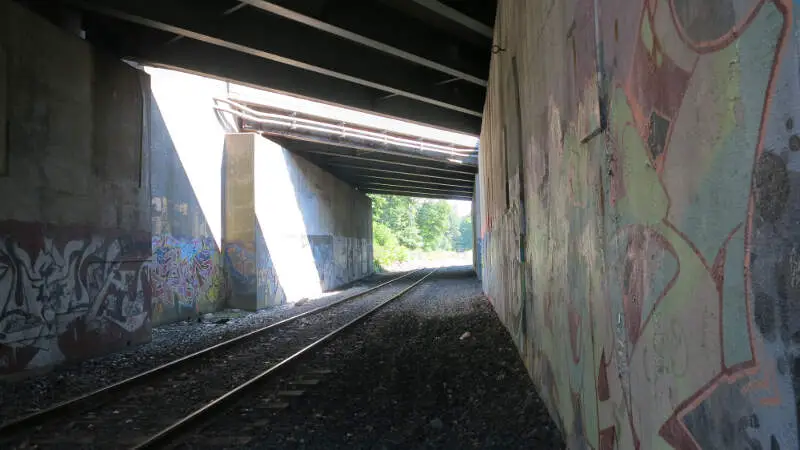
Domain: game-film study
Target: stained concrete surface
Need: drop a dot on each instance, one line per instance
(74, 223)
(638, 209)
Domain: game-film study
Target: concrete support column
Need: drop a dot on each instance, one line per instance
(291, 230)
(239, 220)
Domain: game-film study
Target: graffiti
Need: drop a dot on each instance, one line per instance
(185, 276)
(663, 255)
(269, 290)
(240, 265)
(67, 298)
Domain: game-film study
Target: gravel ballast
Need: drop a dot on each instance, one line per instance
(169, 342)
(434, 370)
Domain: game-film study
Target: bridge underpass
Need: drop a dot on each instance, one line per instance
(634, 201)
(153, 209)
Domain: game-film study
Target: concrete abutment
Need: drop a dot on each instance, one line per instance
(113, 183)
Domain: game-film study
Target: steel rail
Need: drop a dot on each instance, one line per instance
(104, 394)
(178, 428)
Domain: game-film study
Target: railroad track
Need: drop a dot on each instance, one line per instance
(156, 407)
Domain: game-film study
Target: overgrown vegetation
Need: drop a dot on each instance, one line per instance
(402, 226)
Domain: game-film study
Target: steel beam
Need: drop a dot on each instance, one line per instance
(381, 22)
(415, 188)
(136, 42)
(398, 172)
(286, 135)
(408, 180)
(393, 163)
(406, 193)
(362, 40)
(455, 16)
(286, 42)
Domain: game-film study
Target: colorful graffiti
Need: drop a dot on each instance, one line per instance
(663, 248)
(253, 278)
(186, 277)
(66, 294)
(269, 290)
(240, 265)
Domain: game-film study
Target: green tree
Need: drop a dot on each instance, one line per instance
(434, 222)
(464, 241)
(386, 248)
(399, 215)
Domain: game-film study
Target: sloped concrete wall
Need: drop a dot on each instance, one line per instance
(639, 191)
(292, 230)
(74, 214)
(186, 145)
(204, 259)
(477, 238)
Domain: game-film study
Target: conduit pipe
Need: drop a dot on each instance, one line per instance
(341, 130)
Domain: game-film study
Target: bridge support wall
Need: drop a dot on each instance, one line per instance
(74, 197)
(640, 180)
(291, 230)
(112, 202)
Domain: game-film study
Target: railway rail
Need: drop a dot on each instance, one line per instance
(166, 404)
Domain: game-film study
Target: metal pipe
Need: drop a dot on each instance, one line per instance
(338, 144)
(345, 130)
(333, 143)
(397, 163)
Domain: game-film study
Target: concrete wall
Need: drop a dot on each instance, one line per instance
(477, 241)
(187, 141)
(112, 219)
(291, 229)
(323, 223)
(74, 214)
(648, 270)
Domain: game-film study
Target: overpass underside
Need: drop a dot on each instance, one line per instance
(400, 58)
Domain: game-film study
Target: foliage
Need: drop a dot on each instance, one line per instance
(433, 220)
(463, 241)
(399, 214)
(386, 248)
(404, 224)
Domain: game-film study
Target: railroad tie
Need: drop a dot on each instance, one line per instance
(291, 393)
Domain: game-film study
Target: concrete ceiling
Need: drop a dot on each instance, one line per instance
(421, 60)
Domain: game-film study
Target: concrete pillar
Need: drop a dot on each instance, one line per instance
(291, 230)
(239, 220)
